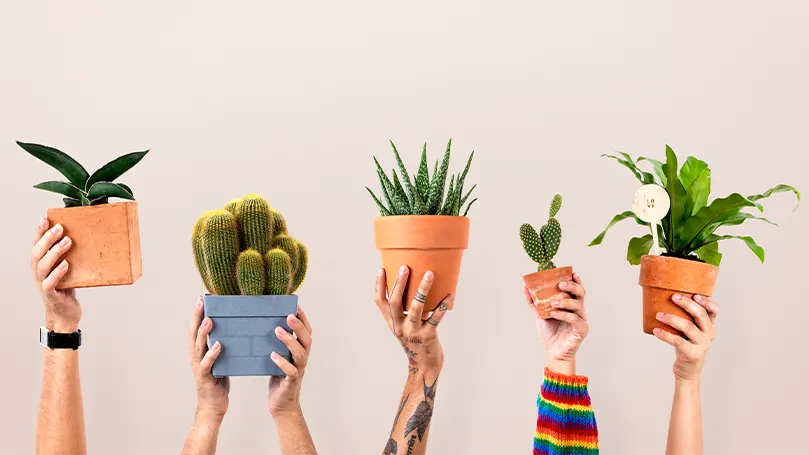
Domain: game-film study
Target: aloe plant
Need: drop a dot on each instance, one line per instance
(425, 194)
(542, 246)
(689, 230)
(82, 188)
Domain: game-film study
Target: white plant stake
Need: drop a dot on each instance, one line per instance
(651, 204)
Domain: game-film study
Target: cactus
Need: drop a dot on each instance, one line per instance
(542, 246)
(246, 249)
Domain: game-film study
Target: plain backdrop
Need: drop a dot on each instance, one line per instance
(292, 99)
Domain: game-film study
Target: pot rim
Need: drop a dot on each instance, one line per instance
(426, 232)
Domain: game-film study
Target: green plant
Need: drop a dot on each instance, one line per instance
(245, 249)
(82, 188)
(689, 229)
(424, 195)
(542, 246)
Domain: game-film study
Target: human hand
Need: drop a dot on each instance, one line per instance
(563, 334)
(418, 337)
(285, 392)
(62, 310)
(691, 349)
(212, 393)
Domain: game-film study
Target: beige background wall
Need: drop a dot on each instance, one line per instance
(291, 100)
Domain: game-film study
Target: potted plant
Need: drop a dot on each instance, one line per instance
(541, 248)
(106, 237)
(421, 225)
(251, 267)
(688, 233)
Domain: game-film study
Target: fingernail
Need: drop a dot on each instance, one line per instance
(280, 332)
(555, 303)
(65, 241)
(676, 297)
(63, 265)
(698, 298)
(198, 304)
(428, 275)
(206, 322)
(563, 285)
(42, 223)
(216, 346)
(554, 314)
(402, 270)
(660, 315)
(274, 355)
(379, 272)
(56, 229)
(292, 319)
(576, 276)
(656, 331)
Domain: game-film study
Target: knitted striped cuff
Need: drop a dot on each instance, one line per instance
(566, 424)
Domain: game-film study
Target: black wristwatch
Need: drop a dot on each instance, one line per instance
(53, 340)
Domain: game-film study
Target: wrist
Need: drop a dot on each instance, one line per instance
(208, 417)
(687, 383)
(565, 367)
(287, 413)
(58, 325)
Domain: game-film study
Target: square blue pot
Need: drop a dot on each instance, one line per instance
(244, 325)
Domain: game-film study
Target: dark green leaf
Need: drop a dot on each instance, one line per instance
(777, 189)
(658, 168)
(127, 188)
(710, 253)
(107, 189)
(705, 219)
(383, 211)
(450, 193)
(676, 217)
(416, 204)
(616, 219)
(423, 177)
(461, 180)
(100, 201)
(70, 202)
(401, 195)
(643, 176)
(638, 247)
(436, 196)
(84, 200)
(116, 168)
(463, 200)
(67, 166)
(63, 188)
(469, 206)
(398, 206)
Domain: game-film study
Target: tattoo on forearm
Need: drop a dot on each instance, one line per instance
(420, 420)
(414, 340)
(410, 444)
(392, 448)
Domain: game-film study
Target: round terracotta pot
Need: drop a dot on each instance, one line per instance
(544, 287)
(423, 242)
(662, 277)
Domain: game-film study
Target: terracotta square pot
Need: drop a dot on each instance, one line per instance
(544, 287)
(662, 277)
(423, 242)
(106, 244)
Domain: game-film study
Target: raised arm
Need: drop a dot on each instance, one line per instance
(566, 423)
(419, 340)
(685, 426)
(60, 424)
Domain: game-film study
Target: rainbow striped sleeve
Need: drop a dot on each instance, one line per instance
(566, 424)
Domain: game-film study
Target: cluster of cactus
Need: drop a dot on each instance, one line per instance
(82, 188)
(424, 195)
(542, 246)
(246, 249)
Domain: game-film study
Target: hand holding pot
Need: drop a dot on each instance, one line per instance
(285, 392)
(62, 310)
(563, 334)
(693, 346)
(212, 393)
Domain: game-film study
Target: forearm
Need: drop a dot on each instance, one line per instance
(60, 424)
(566, 423)
(685, 428)
(293, 434)
(411, 425)
(203, 436)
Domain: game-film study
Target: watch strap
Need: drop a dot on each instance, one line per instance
(64, 340)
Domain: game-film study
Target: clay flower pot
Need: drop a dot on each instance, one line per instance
(106, 244)
(662, 277)
(423, 242)
(544, 287)
(244, 325)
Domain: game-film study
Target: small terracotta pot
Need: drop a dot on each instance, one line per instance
(544, 287)
(662, 277)
(423, 242)
(106, 244)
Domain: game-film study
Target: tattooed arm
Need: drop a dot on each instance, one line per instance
(419, 340)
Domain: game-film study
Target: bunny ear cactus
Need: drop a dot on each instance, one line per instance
(82, 188)
(245, 249)
(542, 246)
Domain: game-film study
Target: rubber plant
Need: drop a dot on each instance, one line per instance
(423, 223)
(81, 187)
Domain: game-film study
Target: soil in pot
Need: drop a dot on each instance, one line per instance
(544, 287)
(664, 276)
(106, 244)
(423, 242)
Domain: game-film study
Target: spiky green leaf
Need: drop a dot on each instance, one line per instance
(383, 211)
(62, 162)
(423, 176)
(436, 194)
(416, 203)
(466, 212)
(466, 196)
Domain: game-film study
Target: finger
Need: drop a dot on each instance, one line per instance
(42, 228)
(699, 313)
(52, 257)
(193, 325)
(417, 305)
(710, 306)
(574, 305)
(395, 306)
(573, 319)
(288, 368)
(201, 343)
(573, 288)
(207, 361)
(43, 245)
(688, 328)
(675, 340)
(380, 298)
(298, 352)
(529, 299)
(304, 319)
(438, 314)
(304, 337)
(49, 284)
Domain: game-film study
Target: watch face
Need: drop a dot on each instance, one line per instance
(43, 336)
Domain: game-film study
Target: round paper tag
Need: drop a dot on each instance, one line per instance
(651, 203)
